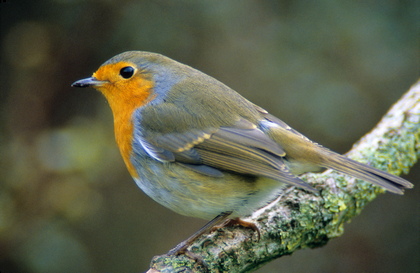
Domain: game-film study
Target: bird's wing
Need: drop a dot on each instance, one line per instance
(241, 148)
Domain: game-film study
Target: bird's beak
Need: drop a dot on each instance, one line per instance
(92, 81)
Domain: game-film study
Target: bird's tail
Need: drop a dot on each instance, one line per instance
(362, 171)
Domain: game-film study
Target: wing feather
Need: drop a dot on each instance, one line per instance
(241, 148)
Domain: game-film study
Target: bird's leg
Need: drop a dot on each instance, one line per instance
(181, 248)
(238, 222)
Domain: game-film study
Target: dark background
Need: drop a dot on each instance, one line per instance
(330, 69)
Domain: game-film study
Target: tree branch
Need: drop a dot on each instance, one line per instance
(300, 219)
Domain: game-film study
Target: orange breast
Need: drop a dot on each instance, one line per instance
(124, 97)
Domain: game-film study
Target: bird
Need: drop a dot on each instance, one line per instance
(199, 148)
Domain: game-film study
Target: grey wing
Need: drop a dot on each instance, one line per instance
(241, 148)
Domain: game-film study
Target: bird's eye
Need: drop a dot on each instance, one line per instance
(127, 72)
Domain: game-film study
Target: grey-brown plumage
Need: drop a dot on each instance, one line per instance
(199, 148)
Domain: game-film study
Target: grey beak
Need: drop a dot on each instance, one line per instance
(87, 82)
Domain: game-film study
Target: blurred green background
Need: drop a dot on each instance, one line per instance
(330, 69)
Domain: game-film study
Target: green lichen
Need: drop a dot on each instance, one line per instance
(166, 264)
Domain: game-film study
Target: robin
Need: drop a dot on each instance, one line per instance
(199, 148)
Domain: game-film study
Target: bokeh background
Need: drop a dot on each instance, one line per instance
(330, 69)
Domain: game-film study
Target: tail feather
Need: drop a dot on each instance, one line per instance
(362, 171)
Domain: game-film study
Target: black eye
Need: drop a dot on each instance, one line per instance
(127, 72)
